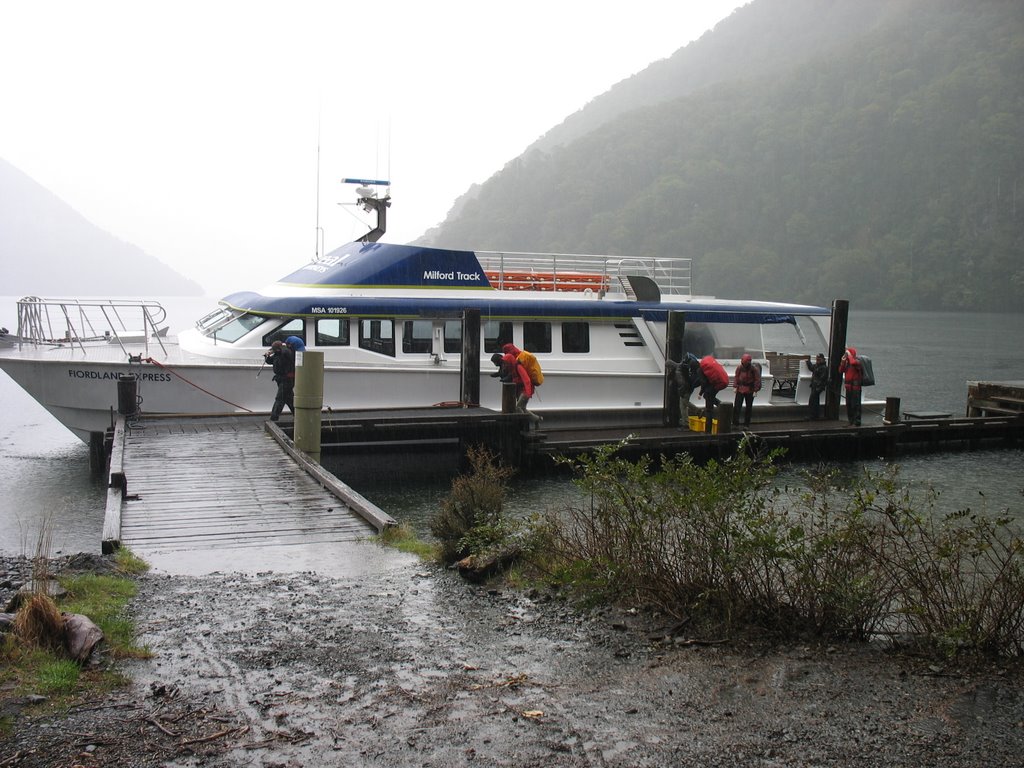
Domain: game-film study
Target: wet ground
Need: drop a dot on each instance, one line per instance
(407, 665)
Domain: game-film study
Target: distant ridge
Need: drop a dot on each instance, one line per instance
(49, 249)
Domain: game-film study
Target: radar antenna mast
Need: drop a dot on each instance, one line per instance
(367, 198)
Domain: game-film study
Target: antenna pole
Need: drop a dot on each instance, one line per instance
(319, 232)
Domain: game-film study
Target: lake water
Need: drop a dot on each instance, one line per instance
(926, 359)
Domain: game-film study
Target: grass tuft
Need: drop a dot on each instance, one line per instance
(39, 624)
(404, 539)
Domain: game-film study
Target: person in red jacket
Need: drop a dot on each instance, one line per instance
(746, 383)
(853, 374)
(524, 386)
(715, 380)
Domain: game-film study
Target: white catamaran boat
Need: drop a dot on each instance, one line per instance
(388, 319)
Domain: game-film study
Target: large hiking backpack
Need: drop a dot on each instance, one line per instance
(532, 367)
(867, 372)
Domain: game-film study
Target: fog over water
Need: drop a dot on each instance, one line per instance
(926, 359)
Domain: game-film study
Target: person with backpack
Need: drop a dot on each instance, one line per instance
(853, 376)
(747, 382)
(528, 360)
(282, 358)
(524, 386)
(715, 380)
(686, 378)
(819, 383)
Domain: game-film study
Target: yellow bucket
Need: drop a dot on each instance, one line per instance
(697, 424)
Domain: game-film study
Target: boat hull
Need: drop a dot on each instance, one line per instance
(83, 395)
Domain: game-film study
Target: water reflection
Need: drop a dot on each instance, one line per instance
(411, 486)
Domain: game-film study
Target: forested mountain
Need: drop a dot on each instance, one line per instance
(49, 249)
(865, 149)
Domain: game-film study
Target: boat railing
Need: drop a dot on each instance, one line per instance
(575, 272)
(75, 322)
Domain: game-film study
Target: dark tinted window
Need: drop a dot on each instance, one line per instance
(575, 337)
(416, 336)
(537, 337)
(496, 334)
(294, 327)
(377, 336)
(332, 332)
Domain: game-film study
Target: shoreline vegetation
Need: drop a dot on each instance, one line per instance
(716, 553)
(39, 671)
(722, 551)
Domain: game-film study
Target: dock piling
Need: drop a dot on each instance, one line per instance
(309, 401)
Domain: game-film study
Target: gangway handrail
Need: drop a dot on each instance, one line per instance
(97, 320)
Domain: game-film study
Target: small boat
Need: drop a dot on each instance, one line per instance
(388, 319)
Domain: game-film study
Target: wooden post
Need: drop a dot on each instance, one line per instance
(508, 397)
(469, 391)
(836, 349)
(675, 328)
(309, 401)
(97, 453)
(725, 417)
(892, 410)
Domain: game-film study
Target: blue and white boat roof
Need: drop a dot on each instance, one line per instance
(388, 280)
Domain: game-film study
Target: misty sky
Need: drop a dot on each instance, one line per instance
(190, 128)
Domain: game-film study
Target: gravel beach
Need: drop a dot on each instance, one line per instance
(408, 665)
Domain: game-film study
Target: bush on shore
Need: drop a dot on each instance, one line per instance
(720, 547)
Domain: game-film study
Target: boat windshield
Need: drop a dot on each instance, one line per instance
(228, 325)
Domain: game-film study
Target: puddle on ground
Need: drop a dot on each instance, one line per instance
(345, 559)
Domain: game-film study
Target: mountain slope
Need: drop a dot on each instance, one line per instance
(49, 249)
(883, 165)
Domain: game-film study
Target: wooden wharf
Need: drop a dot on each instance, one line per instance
(187, 483)
(509, 435)
(802, 440)
(194, 482)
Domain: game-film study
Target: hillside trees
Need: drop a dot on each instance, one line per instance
(889, 171)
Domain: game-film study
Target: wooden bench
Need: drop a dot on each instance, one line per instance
(785, 370)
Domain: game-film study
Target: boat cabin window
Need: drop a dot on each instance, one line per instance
(733, 340)
(575, 337)
(496, 335)
(453, 337)
(417, 336)
(332, 332)
(230, 326)
(537, 337)
(377, 336)
(698, 340)
(294, 327)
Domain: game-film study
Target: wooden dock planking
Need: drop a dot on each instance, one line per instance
(216, 483)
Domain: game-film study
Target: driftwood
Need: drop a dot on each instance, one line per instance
(478, 568)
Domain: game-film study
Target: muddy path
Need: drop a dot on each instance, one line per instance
(411, 666)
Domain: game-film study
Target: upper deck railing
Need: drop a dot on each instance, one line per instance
(76, 322)
(573, 272)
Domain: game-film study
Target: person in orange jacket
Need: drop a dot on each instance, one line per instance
(747, 382)
(524, 386)
(853, 374)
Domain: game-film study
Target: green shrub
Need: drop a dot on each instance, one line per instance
(722, 547)
(474, 505)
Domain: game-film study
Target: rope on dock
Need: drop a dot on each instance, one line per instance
(192, 383)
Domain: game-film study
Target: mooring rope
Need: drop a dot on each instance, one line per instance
(193, 384)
